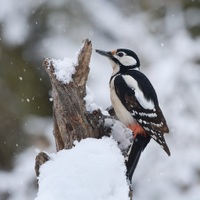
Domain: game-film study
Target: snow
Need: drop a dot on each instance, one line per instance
(14, 18)
(93, 169)
(16, 182)
(193, 16)
(64, 69)
(169, 57)
(89, 101)
(120, 133)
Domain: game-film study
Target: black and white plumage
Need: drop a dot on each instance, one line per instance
(135, 103)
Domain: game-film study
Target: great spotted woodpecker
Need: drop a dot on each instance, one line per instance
(135, 103)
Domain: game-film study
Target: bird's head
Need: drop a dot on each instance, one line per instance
(123, 59)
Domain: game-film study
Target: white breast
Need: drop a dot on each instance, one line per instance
(122, 113)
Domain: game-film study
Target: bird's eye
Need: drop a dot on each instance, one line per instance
(120, 54)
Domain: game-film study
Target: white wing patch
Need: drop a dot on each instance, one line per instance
(132, 83)
(151, 115)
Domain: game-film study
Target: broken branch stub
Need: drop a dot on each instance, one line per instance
(71, 119)
(82, 69)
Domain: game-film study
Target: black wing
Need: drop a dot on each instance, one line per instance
(152, 120)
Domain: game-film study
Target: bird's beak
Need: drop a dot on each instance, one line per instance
(104, 53)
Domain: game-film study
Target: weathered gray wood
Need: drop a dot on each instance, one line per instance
(40, 159)
(71, 120)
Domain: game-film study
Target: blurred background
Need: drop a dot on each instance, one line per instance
(166, 37)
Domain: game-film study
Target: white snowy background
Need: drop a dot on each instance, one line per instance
(170, 57)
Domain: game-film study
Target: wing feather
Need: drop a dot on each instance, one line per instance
(152, 120)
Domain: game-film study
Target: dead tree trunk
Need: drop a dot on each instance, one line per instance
(71, 119)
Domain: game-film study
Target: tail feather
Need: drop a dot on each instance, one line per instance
(139, 144)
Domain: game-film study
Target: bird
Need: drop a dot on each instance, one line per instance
(135, 103)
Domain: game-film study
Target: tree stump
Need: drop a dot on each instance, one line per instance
(71, 119)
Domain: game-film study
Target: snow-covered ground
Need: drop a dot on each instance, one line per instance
(169, 57)
(93, 169)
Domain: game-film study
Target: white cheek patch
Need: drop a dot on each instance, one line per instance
(127, 60)
(132, 83)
